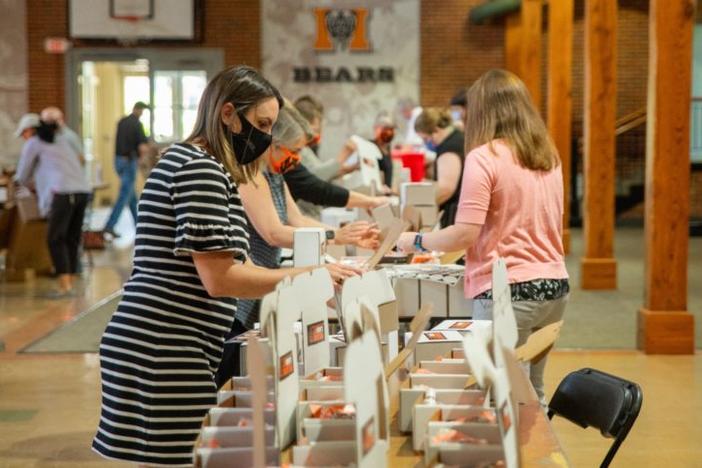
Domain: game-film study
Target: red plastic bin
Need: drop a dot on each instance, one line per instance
(414, 161)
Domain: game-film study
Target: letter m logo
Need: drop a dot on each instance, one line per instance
(345, 29)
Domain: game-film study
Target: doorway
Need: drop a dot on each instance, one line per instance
(105, 84)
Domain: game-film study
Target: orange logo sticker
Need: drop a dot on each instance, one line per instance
(344, 29)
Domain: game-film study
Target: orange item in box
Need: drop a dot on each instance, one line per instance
(426, 257)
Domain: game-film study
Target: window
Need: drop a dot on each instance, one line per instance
(136, 88)
(176, 98)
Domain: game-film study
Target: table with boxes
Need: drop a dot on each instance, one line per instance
(452, 395)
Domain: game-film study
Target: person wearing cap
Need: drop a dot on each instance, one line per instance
(53, 114)
(130, 144)
(27, 126)
(51, 168)
(383, 134)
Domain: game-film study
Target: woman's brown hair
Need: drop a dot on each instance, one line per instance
(243, 87)
(499, 107)
(432, 118)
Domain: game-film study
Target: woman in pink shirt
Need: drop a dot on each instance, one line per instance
(511, 207)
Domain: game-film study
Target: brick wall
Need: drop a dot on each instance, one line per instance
(233, 25)
(453, 52)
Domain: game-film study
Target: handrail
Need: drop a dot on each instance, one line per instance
(629, 121)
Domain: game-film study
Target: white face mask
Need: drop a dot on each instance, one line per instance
(456, 116)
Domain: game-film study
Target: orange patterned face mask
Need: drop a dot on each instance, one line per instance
(316, 138)
(285, 160)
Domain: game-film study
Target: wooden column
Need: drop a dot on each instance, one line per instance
(513, 43)
(531, 48)
(598, 267)
(560, 102)
(665, 325)
(523, 46)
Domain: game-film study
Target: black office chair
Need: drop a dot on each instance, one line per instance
(589, 397)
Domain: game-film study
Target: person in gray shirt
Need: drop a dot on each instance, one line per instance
(53, 114)
(53, 169)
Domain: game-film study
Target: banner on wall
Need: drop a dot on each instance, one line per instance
(358, 58)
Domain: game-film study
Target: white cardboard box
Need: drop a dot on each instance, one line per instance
(409, 397)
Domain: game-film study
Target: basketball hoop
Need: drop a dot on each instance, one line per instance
(129, 29)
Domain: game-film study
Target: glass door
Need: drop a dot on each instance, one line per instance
(178, 80)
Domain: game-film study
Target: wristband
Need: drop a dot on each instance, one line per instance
(418, 242)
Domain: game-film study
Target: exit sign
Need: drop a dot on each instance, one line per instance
(56, 45)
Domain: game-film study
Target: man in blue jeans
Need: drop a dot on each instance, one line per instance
(130, 143)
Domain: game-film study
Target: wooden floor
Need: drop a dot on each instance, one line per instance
(49, 404)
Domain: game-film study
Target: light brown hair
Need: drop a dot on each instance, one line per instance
(290, 126)
(243, 87)
(309, 107)
(432, 118)
(499, 107)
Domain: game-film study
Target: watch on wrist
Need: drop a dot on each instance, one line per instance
(330, 234)
(418, 242)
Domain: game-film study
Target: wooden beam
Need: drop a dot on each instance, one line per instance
(513, 43)
(665, 325)
(598, 267)
(531, 19)
(560, 101)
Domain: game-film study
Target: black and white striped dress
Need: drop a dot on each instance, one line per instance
(159, 353)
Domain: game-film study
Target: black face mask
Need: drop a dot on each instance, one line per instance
(250, 143)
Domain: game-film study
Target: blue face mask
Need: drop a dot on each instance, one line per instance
(430, 145)
(457, 116)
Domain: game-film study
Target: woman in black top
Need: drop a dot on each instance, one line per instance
(436, 128)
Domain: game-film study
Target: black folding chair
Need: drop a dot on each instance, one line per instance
(589, 397)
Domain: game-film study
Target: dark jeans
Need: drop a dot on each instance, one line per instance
(126, 168)
(65, 230)
(229, 365)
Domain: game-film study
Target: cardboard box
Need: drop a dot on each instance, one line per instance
(445, 366)
(237, 398)
(304, 413)
(338, 351)
(423, 413)
(232, 457)
(489, 432)
(439, 285)
(337, 217)
(439, 381)
(309, 246)
(322, 393)
(327, 453)
(324, 430)
(418, 193)
(235, 416)
(407, 294)
(434, 343)
(329, 376)
(368, 173)
(464, 325)
(409, 397)
(435, 294)
(222, 437)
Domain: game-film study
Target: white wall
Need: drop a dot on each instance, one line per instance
(289, 32)
(13, 77)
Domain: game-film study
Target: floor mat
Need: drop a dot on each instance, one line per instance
(80, 335)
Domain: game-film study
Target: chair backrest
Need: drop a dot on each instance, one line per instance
(591, 398)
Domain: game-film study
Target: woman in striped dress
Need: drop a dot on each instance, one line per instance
(162, 346)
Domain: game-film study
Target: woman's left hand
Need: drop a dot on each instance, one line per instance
(353, 233)
(371, 239)
(406, 242)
